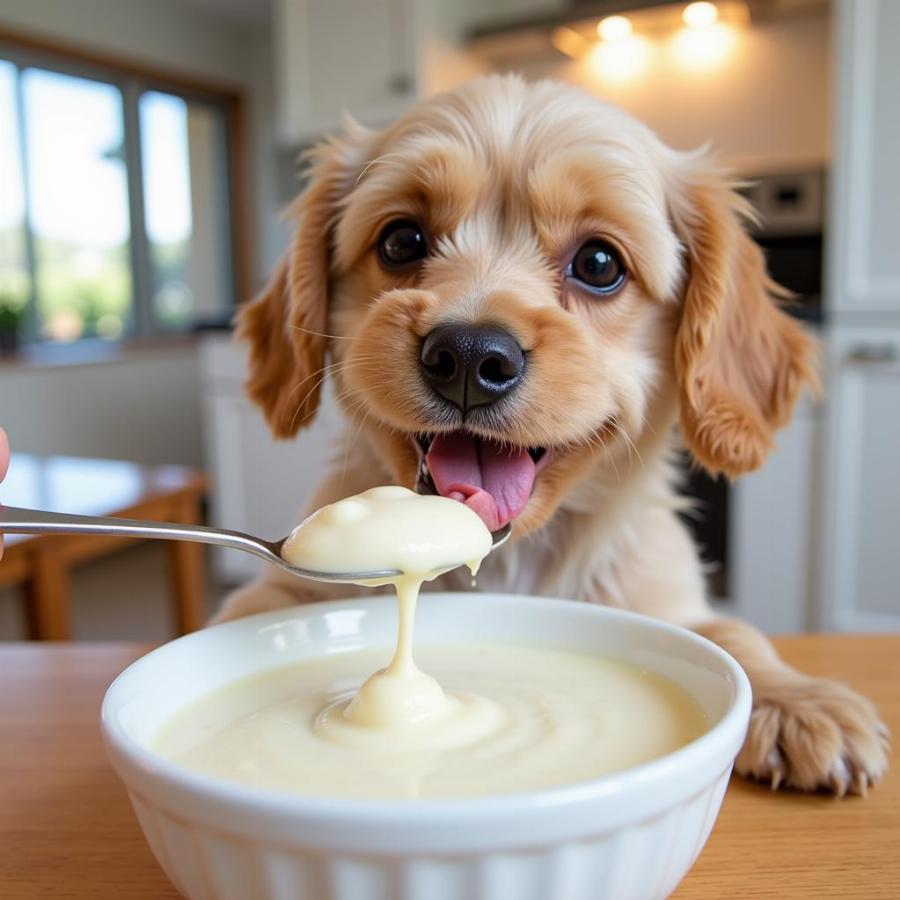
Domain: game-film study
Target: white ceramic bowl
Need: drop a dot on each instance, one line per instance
(633, 834)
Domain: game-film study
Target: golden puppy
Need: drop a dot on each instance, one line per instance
(519, 292)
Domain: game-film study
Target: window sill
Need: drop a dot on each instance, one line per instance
(91, 352)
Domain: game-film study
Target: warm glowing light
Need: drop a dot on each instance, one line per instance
(704, 48)
(614, 28)
(568, 41)
(700, 14)
(619, 61)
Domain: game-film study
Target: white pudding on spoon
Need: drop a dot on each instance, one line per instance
(422, 537)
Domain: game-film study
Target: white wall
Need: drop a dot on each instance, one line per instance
(143, 406)
(765, 105)
(209, 271)
(272, 234)
(162, 33)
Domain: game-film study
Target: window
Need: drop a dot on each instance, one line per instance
(77, 201)
(15, 276)
(185, 173)
(116, 202)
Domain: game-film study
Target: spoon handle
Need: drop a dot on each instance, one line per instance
(33, 521)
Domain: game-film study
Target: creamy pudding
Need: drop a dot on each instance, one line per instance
(527, 719)
(489, 719)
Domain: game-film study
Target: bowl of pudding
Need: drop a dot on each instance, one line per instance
(528, 748)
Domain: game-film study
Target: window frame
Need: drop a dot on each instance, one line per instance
(133, 80)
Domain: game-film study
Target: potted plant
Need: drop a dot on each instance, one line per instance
(10, 318)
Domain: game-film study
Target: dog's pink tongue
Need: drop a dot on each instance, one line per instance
(495, 482)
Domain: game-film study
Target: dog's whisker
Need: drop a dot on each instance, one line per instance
(340, 364)
(359, 411)
(327, 367)
(324, 334)
(629, 443)
(596, 437)
(385, 159)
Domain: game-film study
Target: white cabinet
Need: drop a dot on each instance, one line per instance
(371, 58)
(259, 485)
(860, 566)
(479, 14)
(336, 55)
(859, 551)
(864, 262)
(771, 527)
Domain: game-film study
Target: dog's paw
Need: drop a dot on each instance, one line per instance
(814, 734)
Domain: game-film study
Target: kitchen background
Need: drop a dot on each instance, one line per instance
(146, 151)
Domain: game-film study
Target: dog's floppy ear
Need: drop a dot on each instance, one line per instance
(285, 325)
(741, 362)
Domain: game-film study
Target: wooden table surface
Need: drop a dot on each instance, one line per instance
(67, 830)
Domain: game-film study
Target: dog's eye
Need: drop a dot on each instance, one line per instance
(598, 266)
(401, 242)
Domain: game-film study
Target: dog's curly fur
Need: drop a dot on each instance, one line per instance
(508, 180)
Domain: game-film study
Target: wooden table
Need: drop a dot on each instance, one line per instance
(67, 830)
(96, 487)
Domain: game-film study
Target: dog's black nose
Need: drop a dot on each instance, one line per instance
(472, 365)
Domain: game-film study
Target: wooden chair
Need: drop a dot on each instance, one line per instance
(42, 564)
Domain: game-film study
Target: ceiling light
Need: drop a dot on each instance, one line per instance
(702, 49)
(700, 14)
(618, 62)
(614, 28)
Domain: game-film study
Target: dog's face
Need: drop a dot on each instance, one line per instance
(514, 279)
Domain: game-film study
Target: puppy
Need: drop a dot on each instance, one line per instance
(520, 295)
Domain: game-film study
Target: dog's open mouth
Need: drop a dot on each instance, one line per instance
(492, 478)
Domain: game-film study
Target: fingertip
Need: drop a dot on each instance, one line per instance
(4, 453)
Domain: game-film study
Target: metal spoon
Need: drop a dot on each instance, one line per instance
(33, 521)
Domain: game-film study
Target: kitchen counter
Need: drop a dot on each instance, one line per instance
(67, 829)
